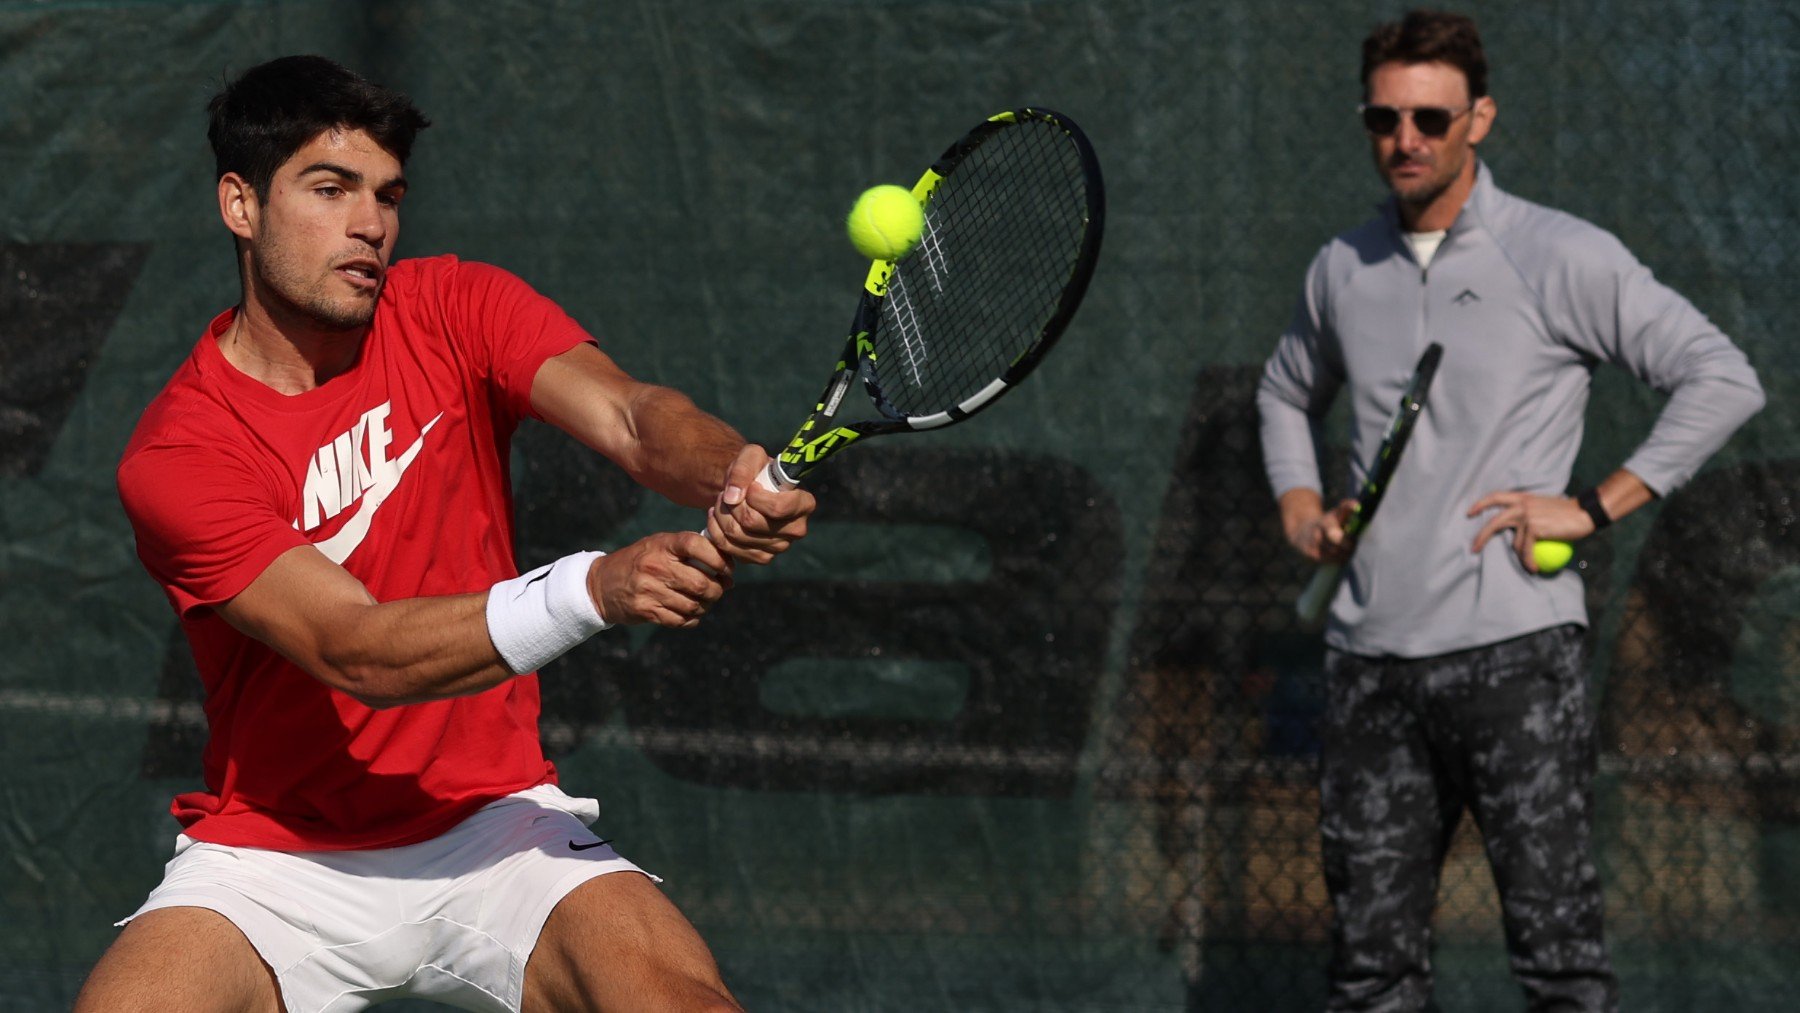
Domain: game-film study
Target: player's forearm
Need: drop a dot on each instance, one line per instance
(411, 651)
(433, 648)
(1622, 492)
(658, 435)
(1289, 437)
(1719, 394)
(679, 450)
(316, 615)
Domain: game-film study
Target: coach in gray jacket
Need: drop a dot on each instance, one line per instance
(1456, 674)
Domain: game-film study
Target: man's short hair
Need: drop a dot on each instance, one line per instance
(1428, 37)
(273, 109)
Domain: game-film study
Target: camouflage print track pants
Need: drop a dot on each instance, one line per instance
(1504, 731)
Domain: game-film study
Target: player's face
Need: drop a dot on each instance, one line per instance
(1418, 167)
(323, 238)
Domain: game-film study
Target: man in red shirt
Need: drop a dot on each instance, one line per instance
(322, 492)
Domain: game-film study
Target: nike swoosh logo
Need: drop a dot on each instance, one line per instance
(338, 547)
(542, 576)
(583, 847)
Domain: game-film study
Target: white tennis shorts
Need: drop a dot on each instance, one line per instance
(452, 919)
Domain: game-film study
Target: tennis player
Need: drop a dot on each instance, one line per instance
(322, 492)
(1456, 674)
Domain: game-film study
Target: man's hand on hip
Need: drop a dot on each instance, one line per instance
(1531, 518)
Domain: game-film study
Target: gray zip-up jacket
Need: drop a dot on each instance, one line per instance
(1526, 301)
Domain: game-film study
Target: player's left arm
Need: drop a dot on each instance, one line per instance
(668, 444)
(1611, 307)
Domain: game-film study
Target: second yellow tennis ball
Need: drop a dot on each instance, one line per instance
(1551, 555)
(885, 223)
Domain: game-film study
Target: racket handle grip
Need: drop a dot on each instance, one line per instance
(774, 479)
(1312, 601)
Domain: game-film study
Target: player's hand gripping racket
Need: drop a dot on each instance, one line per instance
(1324, 582)
(1013, 217)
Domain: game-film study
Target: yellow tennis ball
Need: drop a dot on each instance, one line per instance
(885, 223)
(1551, 555)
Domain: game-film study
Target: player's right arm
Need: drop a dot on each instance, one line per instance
(1297, 387)
(209, 530)
(320, 617)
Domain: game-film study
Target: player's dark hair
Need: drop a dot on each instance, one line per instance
(273, 109)
(1424, 36)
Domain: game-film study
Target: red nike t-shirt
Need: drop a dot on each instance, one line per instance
(396, 470)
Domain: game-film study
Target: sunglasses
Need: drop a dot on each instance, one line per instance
(1431, 121)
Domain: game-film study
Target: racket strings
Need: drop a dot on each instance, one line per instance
(906, 328)
(1003, 234)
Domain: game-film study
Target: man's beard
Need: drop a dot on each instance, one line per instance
(1420, 193)
(345, 315)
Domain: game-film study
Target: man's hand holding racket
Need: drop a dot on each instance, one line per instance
(751, 522)
(1314, 532)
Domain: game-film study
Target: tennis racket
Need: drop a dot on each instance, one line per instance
(1319, 591)
(1014, 212)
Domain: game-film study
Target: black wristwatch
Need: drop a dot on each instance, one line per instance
(1590, 501)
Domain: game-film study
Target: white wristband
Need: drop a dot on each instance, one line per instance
(536, 617)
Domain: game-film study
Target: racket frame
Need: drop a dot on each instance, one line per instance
(821, 435)
(1323, 586)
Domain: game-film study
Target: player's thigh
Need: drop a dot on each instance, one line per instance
(617, 943)
(180, 958)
